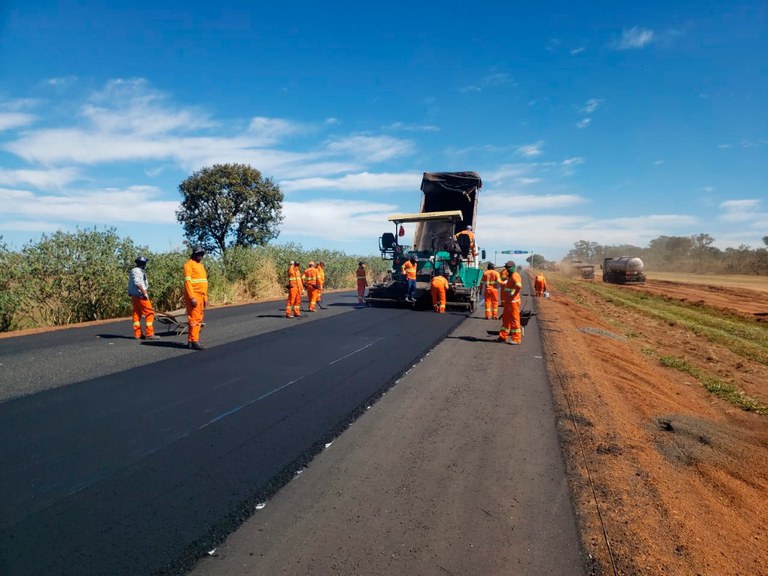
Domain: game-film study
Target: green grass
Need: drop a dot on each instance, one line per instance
(723, 390)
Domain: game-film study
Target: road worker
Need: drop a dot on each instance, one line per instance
(438, 287)
(409, 270)
(295, 289)
(320, 280)
(195, 295)
(472, 253)
(138, 290)
(362, 281)
(510, 297)
(540, 284)
(491, 283)
(310, 284)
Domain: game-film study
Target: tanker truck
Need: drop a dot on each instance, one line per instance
(623, 270)
(448, 206)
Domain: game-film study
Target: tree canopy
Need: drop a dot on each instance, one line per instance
(230, 205)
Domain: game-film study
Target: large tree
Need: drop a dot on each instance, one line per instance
(230, 205)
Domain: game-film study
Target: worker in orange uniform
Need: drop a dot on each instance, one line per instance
(491, 281)
(195, 295)
(510, 297)
(295, 289)
(320, 280)
(438, 287)
(409, 270)
(540, 284)
(138, 290)
(362, 281)
(310, 283)
(471, 237)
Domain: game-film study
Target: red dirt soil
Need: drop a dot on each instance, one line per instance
(666, 478)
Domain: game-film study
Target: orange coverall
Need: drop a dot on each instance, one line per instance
(510, 319)
(540, 284)
(310, 283)
(320, 280)
(142, 307)
(195, 288)
(438, 287)
(490, 282)
(295, 288)
(362, 283)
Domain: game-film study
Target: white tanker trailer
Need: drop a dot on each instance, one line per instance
(623, 270)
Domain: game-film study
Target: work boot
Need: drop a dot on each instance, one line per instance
(195, 346)
(153, 337)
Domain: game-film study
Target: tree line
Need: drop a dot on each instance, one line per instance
(229, 209)
(694, 254)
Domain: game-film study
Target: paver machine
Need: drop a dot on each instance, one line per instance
(448, 206)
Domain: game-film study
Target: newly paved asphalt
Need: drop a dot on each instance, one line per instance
(120, 458)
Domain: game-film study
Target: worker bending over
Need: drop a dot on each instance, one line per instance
(310, 283)
(295, 289)
(490, 282)
(195, 295)
(540, 284)
(438, 288)
(510, 297)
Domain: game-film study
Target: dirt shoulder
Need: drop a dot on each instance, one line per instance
(666, 478)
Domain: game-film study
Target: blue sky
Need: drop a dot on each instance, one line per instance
(610, 122)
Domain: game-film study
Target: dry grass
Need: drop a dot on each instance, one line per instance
(730, 280)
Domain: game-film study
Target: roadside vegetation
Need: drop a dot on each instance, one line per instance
(743, 337)
(71, 277)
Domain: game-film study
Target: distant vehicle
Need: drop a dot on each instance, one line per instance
(448, 206)
(623, 270)
(586, 271)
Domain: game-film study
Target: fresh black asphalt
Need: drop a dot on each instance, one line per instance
(139, 468)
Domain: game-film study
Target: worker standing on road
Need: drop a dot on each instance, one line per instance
(409, 270)
(195, 295)
(510, 296)
(310, 283)
(138, 290)
(320, 280)
(472, 253)
(438, 287)
(540, 284)
(295, 289)
(491, 282)
(362, 281)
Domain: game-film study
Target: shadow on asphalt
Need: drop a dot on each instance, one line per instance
(160, 344)
(473, 339)
(113, 336)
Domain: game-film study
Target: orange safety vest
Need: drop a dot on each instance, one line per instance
(310, 277)
(294, 277)
(508, 291)
(440, 282)
(320, 276)
(361, 274)
(491, 278)
(409, 269)
(195, 280)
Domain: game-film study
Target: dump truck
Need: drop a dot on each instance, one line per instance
(623, 270)
(448, 206)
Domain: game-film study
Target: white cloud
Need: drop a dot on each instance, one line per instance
(530, 150)
(370, 148)
(10, 120)
(635, 37)
(400, 126)
(578, 50)
(590, 106)
(97, 206)
(584, 122)
(340, 220)
(40, 179)
(272, 129)
(747, 212)
(513, 203)
(363, 181)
